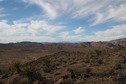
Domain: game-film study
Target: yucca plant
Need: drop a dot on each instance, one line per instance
(31, 73)
(28, 71)
(16, 65)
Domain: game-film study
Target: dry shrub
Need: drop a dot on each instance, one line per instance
(49, 66)
(17, 79)
(47, 63)
(98, 52)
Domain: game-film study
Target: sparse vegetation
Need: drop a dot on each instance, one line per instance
(95, 63)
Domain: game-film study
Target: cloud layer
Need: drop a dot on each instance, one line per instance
(32, 31)
(101, 10)
(41, 31)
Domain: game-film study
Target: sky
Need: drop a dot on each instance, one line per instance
(62, 20)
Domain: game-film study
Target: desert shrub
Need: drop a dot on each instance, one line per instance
(98, 52)
(47, 63)
(47, 69)
(16, 66)
(32, 74)
(72, 74)
(95, 60)
(4, 76)
(87, 60)
(49, 66)
(1, 81)
(88, 70)
(100, 61)
(120, 47)
(120, 78)
(77, 70)
(104, 73)
(123, 59)
(29, 72)
(117, 66)
(87, 73)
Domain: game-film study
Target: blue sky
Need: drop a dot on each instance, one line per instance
(62, 20)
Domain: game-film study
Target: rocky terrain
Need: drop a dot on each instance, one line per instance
(63, 63)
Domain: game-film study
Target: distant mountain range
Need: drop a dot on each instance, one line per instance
(111, 43)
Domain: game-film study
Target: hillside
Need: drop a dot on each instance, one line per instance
(67, 63)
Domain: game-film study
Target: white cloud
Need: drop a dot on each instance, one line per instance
(115, 32)
(11, 30)
(41, 31)
(79, 30)
(65, 36)
(115, 14)
(50, 10)
(27, 38)
(33, 27)
(100, 10)
(30, 31)
(42, 28)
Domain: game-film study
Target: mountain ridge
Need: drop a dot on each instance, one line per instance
(30, 42)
